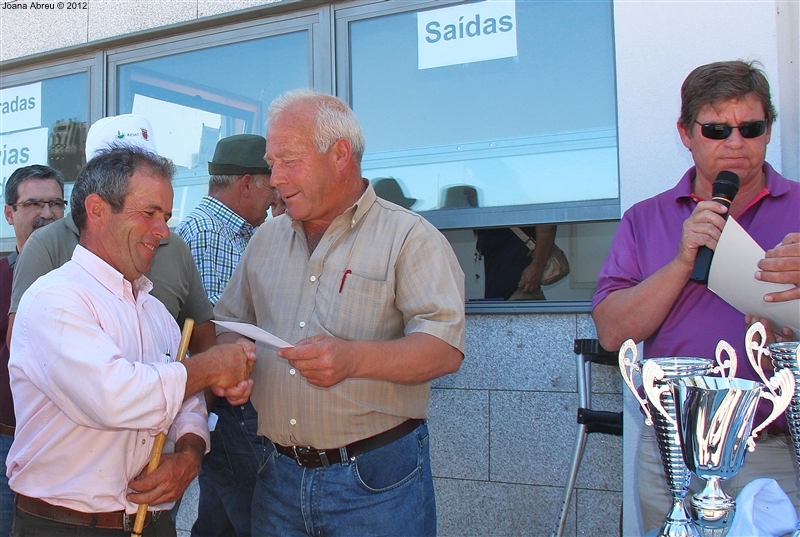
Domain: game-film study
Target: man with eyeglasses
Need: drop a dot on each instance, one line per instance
(34, 198)
(644, 290)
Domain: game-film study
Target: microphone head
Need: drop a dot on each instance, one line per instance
(725, 186)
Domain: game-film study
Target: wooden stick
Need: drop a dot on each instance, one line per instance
(158, 446)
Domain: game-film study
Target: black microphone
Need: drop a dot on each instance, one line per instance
(724, 189)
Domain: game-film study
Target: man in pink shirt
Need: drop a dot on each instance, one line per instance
(93, 369)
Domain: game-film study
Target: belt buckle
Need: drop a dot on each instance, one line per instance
(302, 453)
(307, 452)
(296, 455)
(127, 523)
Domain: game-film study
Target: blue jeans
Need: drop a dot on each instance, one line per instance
(6, 495)
(229, 471)
(385, 492)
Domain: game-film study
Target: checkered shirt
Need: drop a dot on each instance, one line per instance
(217, 237)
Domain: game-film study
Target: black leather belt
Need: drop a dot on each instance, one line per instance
(309, 457)
(6, 430)
(115, 520)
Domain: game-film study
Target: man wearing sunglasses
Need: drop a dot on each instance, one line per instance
(34, 198)
(644, 290)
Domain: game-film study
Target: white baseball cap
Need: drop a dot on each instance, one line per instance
(125, 129)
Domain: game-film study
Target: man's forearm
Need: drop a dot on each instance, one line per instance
(637, 312)
(413, 359)
(191, 444)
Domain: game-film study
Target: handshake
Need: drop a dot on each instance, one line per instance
(225, 369)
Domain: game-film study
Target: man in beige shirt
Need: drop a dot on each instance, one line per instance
(372, 297)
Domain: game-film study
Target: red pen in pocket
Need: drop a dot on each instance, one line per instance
(344, 277)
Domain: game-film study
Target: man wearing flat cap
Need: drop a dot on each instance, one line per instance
(217, 232)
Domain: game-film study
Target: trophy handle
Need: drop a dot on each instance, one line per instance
(627, 365)
(722, 365)
(783, 381)
(651, 372)
(760, 350)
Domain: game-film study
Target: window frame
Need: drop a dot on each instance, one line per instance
(313, 20)
(91, 63)
(465, 218)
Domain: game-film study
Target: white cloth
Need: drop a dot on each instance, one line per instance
(93, 379)
(763, 510)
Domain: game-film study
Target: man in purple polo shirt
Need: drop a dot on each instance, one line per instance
(644, 292)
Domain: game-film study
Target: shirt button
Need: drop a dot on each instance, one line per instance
(143, 441)
(313, 278)
(302, 324)
(293, 421)
(292, 371)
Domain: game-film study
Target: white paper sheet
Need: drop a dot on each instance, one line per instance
(255, 333)
(732, 277)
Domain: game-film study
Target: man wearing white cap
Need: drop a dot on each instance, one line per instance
(176, 281)
(125, 129)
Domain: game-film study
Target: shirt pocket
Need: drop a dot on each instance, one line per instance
(364, 309)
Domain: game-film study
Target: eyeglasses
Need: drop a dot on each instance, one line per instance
(720, 131)
(54, 204)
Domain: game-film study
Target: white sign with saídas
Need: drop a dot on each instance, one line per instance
(21, 107)
(467, 33)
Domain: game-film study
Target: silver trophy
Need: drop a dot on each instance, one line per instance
(656, 374)
(715, 424)
(786, 356)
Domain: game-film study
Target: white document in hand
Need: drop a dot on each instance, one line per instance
(255, 333)
(732, 278)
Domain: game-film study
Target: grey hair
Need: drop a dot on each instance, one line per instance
(108, 175)
(335, 120)
(35, 171)
(218, 183)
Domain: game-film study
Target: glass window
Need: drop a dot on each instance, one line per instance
(43, 122)
(193, 99)
(494, 259)
(451, 107)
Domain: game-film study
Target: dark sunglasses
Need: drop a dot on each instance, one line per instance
(720, 131)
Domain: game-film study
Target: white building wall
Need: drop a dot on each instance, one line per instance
(658, 43)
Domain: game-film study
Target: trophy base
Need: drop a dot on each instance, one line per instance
(678, 529)
(712, 516)
(678, 523)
